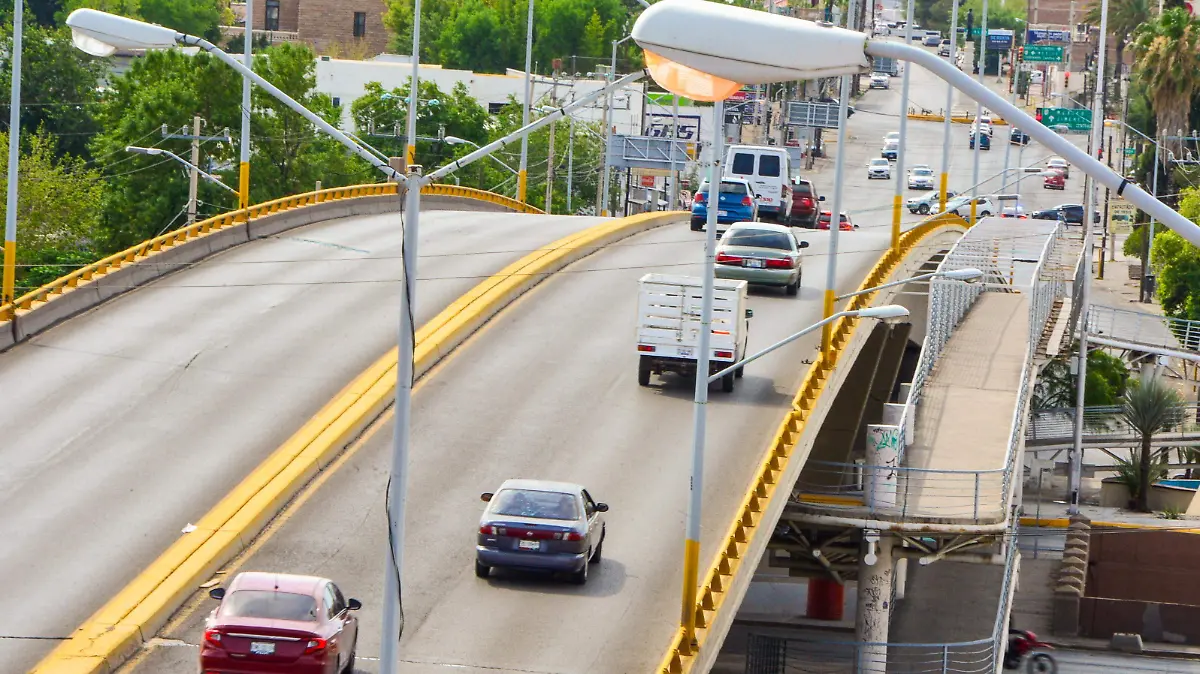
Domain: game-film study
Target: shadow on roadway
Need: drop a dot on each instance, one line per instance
(605, 579)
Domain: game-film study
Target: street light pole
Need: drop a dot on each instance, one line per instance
(898, 197)
(244, 141)
(602, 199)
(410, 150)
(8, 287)
(523, 171)
(977, 134)
(835, 215)
(947, 121)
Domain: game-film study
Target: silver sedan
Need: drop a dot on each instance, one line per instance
(542, 526)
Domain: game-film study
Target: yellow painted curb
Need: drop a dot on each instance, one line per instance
(1063, 523)
(112, 634)
(680, 656)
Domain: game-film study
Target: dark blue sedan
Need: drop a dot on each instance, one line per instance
(736, 203)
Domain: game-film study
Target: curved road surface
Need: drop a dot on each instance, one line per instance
(124, 424)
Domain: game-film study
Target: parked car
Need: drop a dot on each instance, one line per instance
(879, 168)
(928, 202)
(890, 149)
(804, 203)
(1018, 137)
(540, 525)
(761, 254)
(845, 223)
(1060, 164)
(736, 203)
(944, 47)
(985, 142)
(920, 179)
(1054, 181)
(275, 622)
(880, 81)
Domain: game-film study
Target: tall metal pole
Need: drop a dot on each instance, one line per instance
(835, 216)
(901, 183)
(1012, 125)
(550, 149)
(691, 547)
(523, 167)
(981, 59)
(414, 88)
(14, 157)
(570, 160)
(602, 199)
(244, 151)
(1149, 231)
(949, 102)
(392, 622)
(194, 171)
(1076, 467)
(673, 195)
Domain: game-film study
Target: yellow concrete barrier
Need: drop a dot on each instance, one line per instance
(112, 634)
(680, 656)
(1063, 523)
(147, 249)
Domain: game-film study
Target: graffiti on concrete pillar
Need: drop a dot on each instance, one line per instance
(883, 461)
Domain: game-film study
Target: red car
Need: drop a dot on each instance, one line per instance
(272, 622)
(846, 224)
(804, 203)
(1055, 181)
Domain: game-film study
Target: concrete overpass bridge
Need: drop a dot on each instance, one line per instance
(152, 406)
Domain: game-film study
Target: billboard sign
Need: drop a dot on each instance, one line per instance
(999, 39)
(812, 114)
(1036, 35)
(659, 125)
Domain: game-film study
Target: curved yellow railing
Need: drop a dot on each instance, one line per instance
(202, 228)
(680, 656)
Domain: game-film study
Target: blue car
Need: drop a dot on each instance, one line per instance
(736, 203)
(985, 142)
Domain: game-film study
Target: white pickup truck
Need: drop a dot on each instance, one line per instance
(668, 329)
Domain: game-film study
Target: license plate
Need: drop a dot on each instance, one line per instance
(722, 212)
(686, 352)
(766, 200)
(756, 264)
(262, 648)
(529, 545)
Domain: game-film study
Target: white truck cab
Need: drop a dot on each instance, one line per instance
(668, 326)
(766, 168)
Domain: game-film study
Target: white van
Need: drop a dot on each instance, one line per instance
(766, 168)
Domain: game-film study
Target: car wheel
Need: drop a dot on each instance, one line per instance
(349, 668)
(740, 372)
(598, 553)
(482, 570)
(580, 577)
(792, 288)
(697, 227)
(923, 209)
(644, 371)
(727, 382)
(985, 214)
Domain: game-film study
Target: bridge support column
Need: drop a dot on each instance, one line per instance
(876, 576)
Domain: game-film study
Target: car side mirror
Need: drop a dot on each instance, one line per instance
(749, 313)
(601, 507)
(217, 593)
(803, 244)
(354, 604)
(485, 496)
(856, 226)
(758, 196)
(821, 198)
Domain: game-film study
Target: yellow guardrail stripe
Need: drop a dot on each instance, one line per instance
(134, 615)
(680, 656)
(148, 248)
(1063, 523)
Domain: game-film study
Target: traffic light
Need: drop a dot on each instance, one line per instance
(1021, 53)
(1038, 114)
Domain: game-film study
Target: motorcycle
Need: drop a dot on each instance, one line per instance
(1024, 646)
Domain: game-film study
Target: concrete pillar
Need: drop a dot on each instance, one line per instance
(883, 461)
(876, 569)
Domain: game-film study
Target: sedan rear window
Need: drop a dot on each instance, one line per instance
(758, 238)
(768, 165)
(270, 605)
(743, 164)
(546, 505)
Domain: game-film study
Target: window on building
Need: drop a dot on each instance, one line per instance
(272, 15)
(360, 24)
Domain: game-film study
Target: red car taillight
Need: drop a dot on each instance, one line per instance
(746, 201)
(722, 258)
(574, 536)
(699, 199)
(780, 263)
(213, 638)
(315, 646)
(488, 530)
(806, 202)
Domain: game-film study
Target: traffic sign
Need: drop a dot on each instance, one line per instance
(1075, 119)
(1120, 215)
(1043, 53)
(1130, 151)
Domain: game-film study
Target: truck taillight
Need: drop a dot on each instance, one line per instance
(780, 263)
(646, 347)
(722, 258)
(723, 354)
(746, 201)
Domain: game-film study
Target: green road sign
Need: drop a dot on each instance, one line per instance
(1130, 151)
(1075, 119)
(1043, 53)
(975, 31)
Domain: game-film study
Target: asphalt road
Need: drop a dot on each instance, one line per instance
(1098, 662)
(123, 425)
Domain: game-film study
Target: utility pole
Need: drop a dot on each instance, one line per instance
(570, 160)
(193, 175)
(557, 65)
(1107, 198)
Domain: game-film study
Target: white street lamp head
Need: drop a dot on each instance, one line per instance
(748, 46)
(454, 140)
(100, 33)
(154, 151)
(967, 274)
(886, 311)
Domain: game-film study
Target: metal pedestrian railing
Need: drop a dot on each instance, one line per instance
(1141, 327)
(920, 493)
(1052, 426)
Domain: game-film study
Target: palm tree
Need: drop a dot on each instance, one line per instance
(1168, 61)
(1149, 407)
(1124, 16)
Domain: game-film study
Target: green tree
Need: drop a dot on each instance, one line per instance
(454, 114)
(474, 37)
(58, 87)
(1178, 266)
(58, 208)
(594, 37)
(1106, 382)
(1149, 407)
(1168, 63)
(1124, 16)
